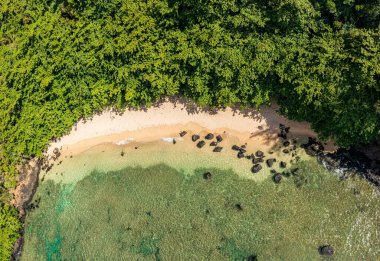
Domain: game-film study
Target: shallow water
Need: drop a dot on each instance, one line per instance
(153, 203)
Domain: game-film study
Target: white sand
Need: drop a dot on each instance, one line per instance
(167, 119)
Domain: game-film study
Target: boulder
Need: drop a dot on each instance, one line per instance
(287, 129)
(286, 151)
(219, 138)
(235, 147)
(326, 250)
(270, 162)
(182, 133)
(282, 164)
(207, 175)
(256, 168)
(209, 136)
(252, 258)
(250, 157)
(286, 143)
(201, 144)
(214, 143)
(277, 178)
(257, 160)
(195, 137)
(240, 155)
(217, 149)
(174, 141)
(259, 154)
(242, 150)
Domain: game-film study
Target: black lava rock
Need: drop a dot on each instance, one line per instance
(270, 162)
(238, 206)
(235, 147)
(256, 168)
(259, 154)
(219, 138)
(201, 144)
(182, 133)
(209, 136)
(195, 137)
(257, 160)
(286, 143)
(214, 143)
(217, 149)
(326, 250)
(252, 258)
(207, 175)
(240, 155)
(282, 164)
(277, 178)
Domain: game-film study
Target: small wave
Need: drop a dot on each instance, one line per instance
(125, 142)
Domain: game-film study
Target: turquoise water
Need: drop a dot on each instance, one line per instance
(163, 211)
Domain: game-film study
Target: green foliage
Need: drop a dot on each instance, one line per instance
(9, 230)
(63, 60)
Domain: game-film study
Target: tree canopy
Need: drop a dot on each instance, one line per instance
(61, 60)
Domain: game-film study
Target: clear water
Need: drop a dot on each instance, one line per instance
(154, 204)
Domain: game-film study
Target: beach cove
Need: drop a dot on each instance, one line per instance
(136, 185)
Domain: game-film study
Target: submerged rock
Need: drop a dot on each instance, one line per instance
(257, 160)
(219, 138)
(286, 151)
(195, 137)
(282, 164)
(217, 149)
(201, 144)
(209, 136)
(207, 175)
(270, 162)
(256, 168)
(277, 178)
(326, 250)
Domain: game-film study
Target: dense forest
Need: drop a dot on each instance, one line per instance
(66, 59)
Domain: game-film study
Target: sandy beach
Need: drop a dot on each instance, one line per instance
(168, 118)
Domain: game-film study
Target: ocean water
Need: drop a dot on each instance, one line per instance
(153, 203)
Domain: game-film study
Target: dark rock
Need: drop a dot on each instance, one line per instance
(243, 146)
(282, 164)
(174, 141)
(235, 147)
(219, 138)
(282, 126)
(282, 135)
(250, 157)
(201, 144)
(326, 250)
(122, 153)
(273, 171)
(256, 168)
(259, 154)
(214, 143)
(242, 150)
(286, 143)
(240, 155)
(277, 178)
(287, 129)
(182, 133)
(286, 151)
(207, 175)
(195, 137)
(217, 149)
(56, 151)
(209, 136)
(252, 258)
(238, 206)
(257, 160)
(270, 162)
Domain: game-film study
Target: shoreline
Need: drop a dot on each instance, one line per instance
(169, 118)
